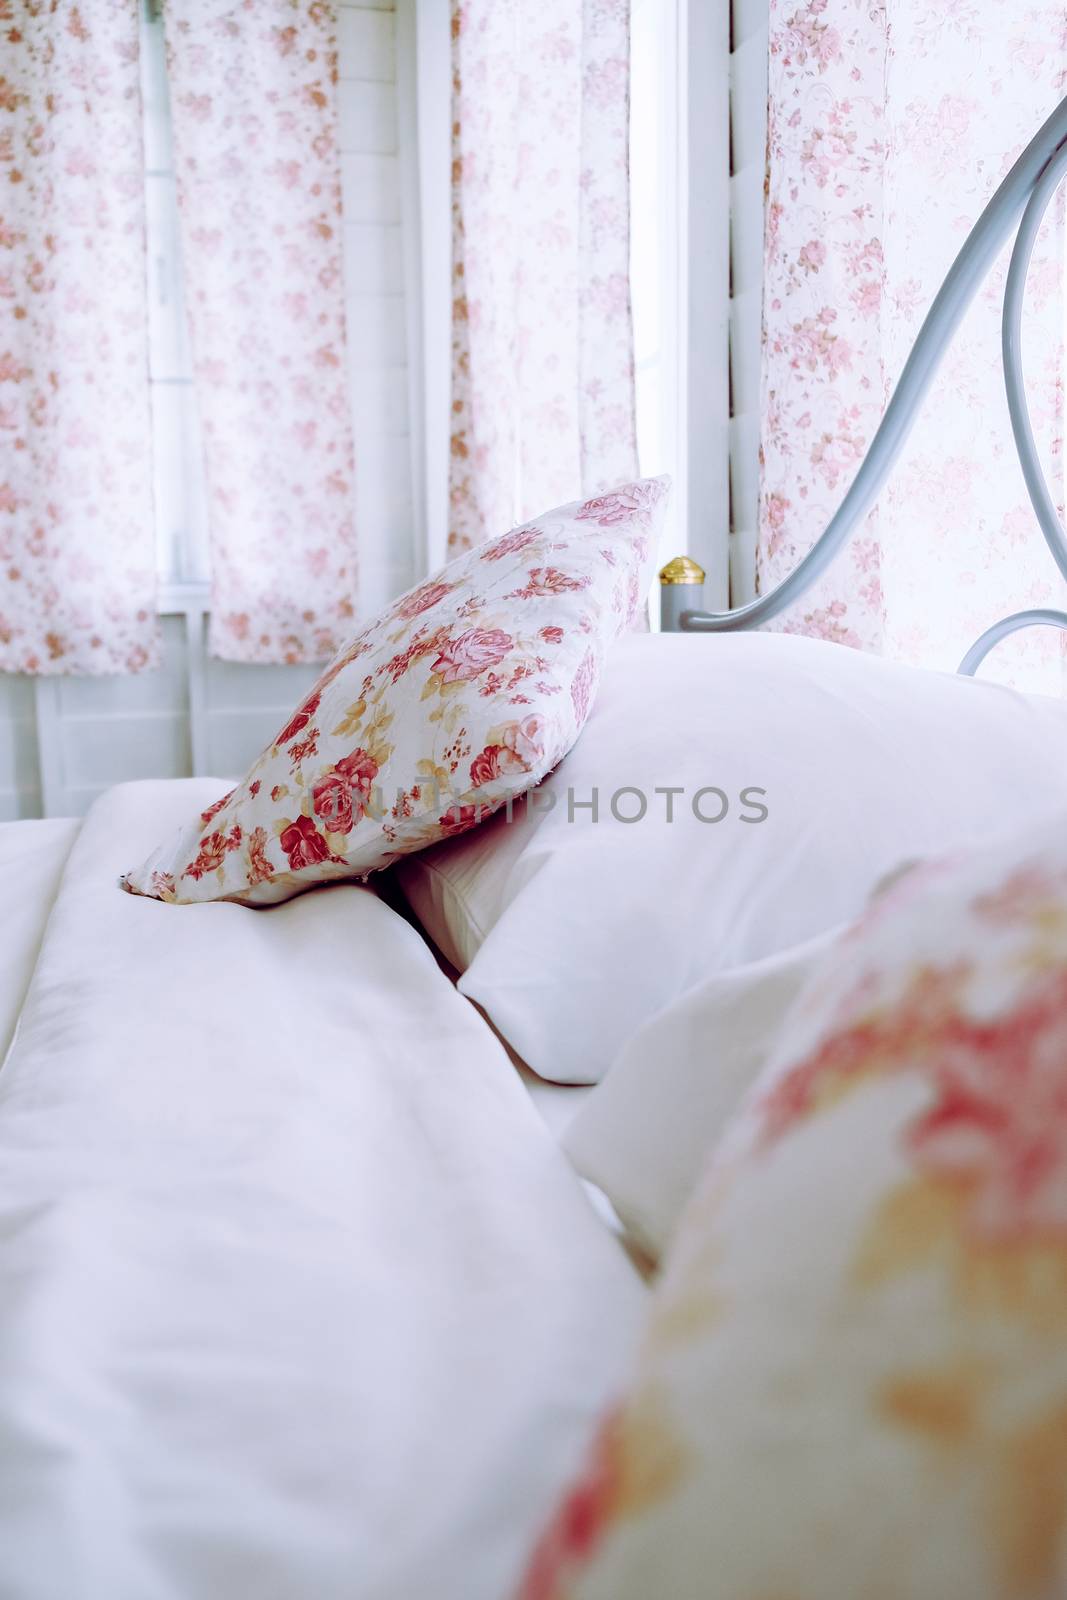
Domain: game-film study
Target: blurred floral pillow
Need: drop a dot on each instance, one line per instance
(854, 1379)
(465, 693)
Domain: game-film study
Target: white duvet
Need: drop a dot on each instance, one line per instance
(297, 1296)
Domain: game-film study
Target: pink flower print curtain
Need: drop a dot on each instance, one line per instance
(253, 100)
(542, 341)
(890, 126)
(77, 556)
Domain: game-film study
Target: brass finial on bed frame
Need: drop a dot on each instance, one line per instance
(681, 581)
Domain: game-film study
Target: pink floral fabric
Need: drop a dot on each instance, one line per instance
(854, 1359)
(77, 556)
(889, 127)
(253, 99)
(542, 338)
(465, 693)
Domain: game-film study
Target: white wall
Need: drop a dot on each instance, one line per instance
(63, 741)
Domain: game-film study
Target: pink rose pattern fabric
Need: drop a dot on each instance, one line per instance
(542, 337)
(854, 1362)
(890, 125)
(465, 693)
(77, 553)
(253, 99)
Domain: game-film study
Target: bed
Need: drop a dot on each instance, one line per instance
(299, 1293)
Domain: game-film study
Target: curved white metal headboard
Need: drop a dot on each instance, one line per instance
(1021, 201)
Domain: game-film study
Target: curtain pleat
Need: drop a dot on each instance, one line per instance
(254, 108)
(77, 551)
(542, 338)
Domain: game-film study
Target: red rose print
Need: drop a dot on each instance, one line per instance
(552, 635)
(331, 800)
(418, 646)
(633, 502)
(458, 819)
(361, 769)
(259, 867)
(583, 685)
(213, 811)
(473, 652)
(340, 797)
(422, 599)
(508, 543)
(526, 740)
(303, 749)
(303, 844)
(299, 719)
(548, 580)
(520, 747)
(213, 848)
(486, 767)
(580, 1521)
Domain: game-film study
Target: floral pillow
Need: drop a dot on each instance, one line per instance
(465, 693)
(854, 1378)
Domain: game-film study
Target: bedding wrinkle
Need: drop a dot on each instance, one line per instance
(33, 855)
(298, 1295)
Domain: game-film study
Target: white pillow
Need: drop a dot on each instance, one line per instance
(643, 1135)
(572, 935)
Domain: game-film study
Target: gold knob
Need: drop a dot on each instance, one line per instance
(683, 569)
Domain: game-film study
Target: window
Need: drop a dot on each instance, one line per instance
(655, 252)
(180, 491)
(680, 254)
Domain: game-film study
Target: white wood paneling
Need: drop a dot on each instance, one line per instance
(244, 708)
(657, 255)
(748, 131)
(377, 332)
(63, 741)
(20, 785)
(366, 40)
(371, 187)
(367, 117)
(374, 258)
(705, 54)
(424, 85)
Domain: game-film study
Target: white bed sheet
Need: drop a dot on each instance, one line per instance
(32, 857)
(297, 1295)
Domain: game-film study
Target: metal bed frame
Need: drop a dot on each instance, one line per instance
(1020, 202)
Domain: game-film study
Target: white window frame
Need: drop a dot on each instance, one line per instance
(749, 46)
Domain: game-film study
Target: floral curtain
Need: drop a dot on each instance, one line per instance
(253, 101)
(542, 340)
(890, 125)
(77, 557)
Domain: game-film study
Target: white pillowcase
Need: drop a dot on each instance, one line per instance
(643, 1135)
(571, 935)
